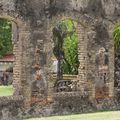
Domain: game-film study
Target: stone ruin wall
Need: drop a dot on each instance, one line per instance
(33, 47)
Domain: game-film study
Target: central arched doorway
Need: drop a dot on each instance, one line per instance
(66, 62)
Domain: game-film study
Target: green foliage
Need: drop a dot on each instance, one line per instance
(70, 46)
(116, 37)
(5, 37)
(67, 25)
(6, 90)
(71, 62)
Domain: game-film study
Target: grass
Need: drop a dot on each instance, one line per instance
(6, 90)
(113, 115)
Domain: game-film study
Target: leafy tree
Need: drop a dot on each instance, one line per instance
(66, 46)
(116, 37)
(5, 37)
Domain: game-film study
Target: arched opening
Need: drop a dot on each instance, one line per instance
(7, 58)
(65, 58)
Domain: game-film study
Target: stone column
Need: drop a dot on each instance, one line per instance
(25, 78)
(17, 69)
(111, 64)
(82, 49)
(17, 51)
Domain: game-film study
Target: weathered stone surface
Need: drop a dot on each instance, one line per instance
(33, 23)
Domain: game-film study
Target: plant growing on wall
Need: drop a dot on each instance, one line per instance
(5, 37)
(116, 37)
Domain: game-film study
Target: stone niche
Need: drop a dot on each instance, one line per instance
(101, 62)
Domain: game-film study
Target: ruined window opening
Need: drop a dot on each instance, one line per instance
(66, 53)
(6, 58)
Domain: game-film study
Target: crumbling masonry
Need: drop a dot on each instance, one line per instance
(32, 23)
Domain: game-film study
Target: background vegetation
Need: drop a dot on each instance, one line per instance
(5, 37)
(116, 37)
(6, 90)
(66, 33)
